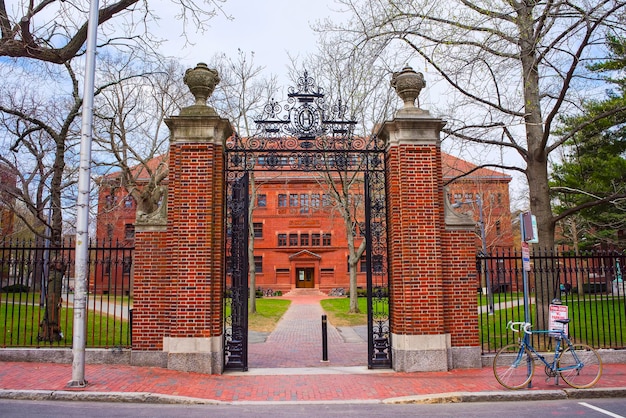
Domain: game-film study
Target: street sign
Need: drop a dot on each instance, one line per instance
(557, 312)
(528, 226)
(525, 256)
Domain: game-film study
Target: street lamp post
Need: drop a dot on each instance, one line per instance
(483, 241)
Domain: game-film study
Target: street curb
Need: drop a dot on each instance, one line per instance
(450, 397)
(509, 396)
(130, 397)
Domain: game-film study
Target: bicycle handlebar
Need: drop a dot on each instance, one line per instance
(521, 326)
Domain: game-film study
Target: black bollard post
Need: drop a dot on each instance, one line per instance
(324, 338)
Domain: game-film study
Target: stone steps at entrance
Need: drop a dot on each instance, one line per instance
(304, 292)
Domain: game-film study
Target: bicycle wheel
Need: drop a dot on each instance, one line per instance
(513, 366)
(580, 377)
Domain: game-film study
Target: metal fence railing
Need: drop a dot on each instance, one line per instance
(37, 294)
(590, 284)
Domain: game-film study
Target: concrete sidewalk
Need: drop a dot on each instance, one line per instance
(287, 368)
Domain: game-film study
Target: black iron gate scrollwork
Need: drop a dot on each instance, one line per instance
(306, 134)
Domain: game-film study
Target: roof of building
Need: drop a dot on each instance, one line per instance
(141, 171)
(454, 167)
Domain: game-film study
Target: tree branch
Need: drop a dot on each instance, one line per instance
(504, 167)
(609, 199)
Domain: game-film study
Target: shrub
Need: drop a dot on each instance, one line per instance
(377, 292)
(16, 288)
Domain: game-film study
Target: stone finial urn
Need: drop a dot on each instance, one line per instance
(201, 81)
(408, 84)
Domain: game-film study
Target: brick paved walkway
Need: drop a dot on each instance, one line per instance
(297, 340)
(118, 380)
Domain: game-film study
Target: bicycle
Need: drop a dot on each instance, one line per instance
(579, 365)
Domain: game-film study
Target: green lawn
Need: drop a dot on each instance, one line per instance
(337, 311)
(269, 311)
(599, 323)
(595, 322)
(20, 324)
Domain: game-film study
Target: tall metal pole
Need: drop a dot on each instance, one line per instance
(82, 215)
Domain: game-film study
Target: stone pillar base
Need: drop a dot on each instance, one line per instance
(420, 353)
(466, 357)
(148, 358)
(201, 355)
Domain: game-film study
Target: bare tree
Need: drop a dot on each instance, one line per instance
(129, 131)
(42, 129)
(511, 68)
(240, 95)
(55, 31)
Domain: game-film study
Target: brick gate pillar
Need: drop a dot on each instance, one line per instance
(432, 271)
(183, 296)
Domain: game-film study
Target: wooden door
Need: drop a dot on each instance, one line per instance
(305, 278)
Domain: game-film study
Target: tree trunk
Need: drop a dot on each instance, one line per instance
(354, 255)
(50, 327)
(541, 208)
(251, 265)
(354, 295)
(536, 157)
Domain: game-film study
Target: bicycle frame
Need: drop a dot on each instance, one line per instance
(559, 336)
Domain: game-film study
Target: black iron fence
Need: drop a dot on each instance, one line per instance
(37, 294)
(590, 284)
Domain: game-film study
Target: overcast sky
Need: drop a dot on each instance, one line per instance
(269, 28)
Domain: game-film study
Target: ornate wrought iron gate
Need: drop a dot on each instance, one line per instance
(310, 136)
(236, 298)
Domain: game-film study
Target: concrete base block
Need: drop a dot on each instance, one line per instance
(148, 359)
(208, 363)
(465, 358)
(202, 355)
(419, 360)
(420, 353)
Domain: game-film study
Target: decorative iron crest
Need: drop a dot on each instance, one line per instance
(305, 134)
(306, 116)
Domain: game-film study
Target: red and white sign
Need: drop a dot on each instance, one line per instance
(558, 312)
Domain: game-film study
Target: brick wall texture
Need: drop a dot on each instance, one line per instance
(179, 271)
(431, 271)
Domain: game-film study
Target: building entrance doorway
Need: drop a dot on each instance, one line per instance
(305, 278)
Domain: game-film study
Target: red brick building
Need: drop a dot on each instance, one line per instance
(300, 238)
(482, 190)
(115, 226)
(8, 181)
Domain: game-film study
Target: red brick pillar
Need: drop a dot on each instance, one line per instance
(151, 290)
(180, 263)
(196, 241)
(426, 257)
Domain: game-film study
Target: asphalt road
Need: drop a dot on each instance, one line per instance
(600, 408)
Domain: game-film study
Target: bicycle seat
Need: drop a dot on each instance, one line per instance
(562, 321)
